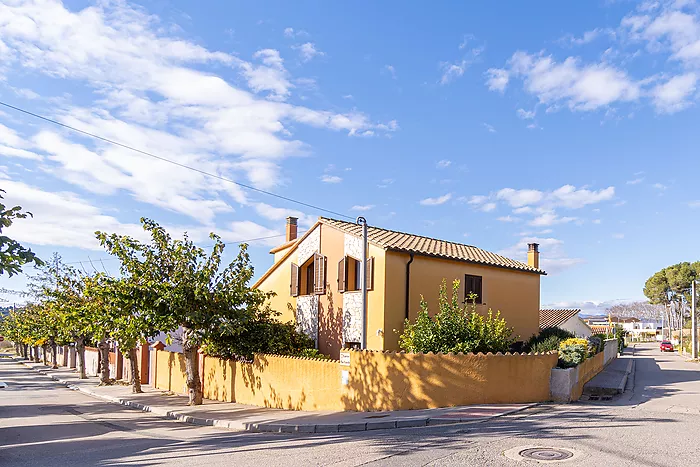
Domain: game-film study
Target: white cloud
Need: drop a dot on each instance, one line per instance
(635, 181)
(568, 196)
(489, 128)
(597, 221)
(308, 51)
(289, 32)
(61, 218)
(436, 201)
(570, 83)
(271, 76)
(523, 210)
(553, 258)
(452, 71)
(443, 164)
(365, 207)
(385, 183)
(488, 207)
(160, 93)
(331, 179)
(694, 204)
(550, 218)
(497, 79)
(519, 198)
(673, 95)
(508, 219)
(659, 186)
(391, 70)
(526, 114)
(618, 236)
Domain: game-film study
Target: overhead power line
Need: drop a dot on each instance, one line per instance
(205, 246)
(184, 166)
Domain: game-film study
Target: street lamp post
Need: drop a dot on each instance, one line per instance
(363, 280)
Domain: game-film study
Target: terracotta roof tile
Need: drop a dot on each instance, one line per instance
(549, 318)
(410, 243)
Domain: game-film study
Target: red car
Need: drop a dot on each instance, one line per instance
(666, 346)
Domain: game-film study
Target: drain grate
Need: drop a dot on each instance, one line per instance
(546, 454)
(377, 416)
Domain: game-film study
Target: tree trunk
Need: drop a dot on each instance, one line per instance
(44, 354)
(104, 362)
(134, 366)
(54, 357)
(190, 351)
(80, 350)
(36, 353)
(25, 350)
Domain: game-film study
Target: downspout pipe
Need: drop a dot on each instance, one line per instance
(408, 283)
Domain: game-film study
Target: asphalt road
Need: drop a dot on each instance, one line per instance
(657, 424)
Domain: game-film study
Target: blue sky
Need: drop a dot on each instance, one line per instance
(570, 124)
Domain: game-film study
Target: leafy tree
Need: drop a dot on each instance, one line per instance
(12, 254)
(187, 289)
(456, 327)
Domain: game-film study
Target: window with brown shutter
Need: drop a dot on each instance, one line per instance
(472, 285)
(370, 273)
(294, 282)
(342, 274)
(319, 274)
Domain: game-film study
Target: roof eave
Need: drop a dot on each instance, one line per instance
(462, 260)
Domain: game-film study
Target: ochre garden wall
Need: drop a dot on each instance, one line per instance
(375, 380)
(399, 381)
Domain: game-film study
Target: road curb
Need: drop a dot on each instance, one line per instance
(282, 427)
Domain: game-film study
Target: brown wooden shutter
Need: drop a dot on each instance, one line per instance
(294, 283)
(342, 274)
(370, 273)
(477, 290)
(319, 274)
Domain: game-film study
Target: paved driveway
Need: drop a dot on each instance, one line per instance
(664, 382)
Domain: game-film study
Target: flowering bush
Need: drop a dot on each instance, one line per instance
(572, 352)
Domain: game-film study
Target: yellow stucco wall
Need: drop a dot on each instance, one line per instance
(516, 294)
(586, 371)
(278, 281)
(401, 381)
(377, 380)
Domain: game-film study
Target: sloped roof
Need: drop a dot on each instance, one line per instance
(549, 318)
(410, 243)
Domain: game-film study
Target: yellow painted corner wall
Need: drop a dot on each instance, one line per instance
(376, 380)
(515, 294)
(400, 381)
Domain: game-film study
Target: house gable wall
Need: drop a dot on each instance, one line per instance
(515, 294)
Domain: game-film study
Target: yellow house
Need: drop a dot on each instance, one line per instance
(316, 279)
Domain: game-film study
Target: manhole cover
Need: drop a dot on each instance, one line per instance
(546, 454)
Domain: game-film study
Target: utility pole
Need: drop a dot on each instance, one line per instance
(694, 323)
(363, 279)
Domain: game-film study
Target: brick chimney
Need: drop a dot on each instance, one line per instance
(533, 255)
(291, 228)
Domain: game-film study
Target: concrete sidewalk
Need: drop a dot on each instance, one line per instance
(252, 418)
(613, 379)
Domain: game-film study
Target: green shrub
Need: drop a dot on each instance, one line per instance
(456, 327)
(595, 345)
(264, 336)
(572, 352)
(547, 345)
(548, 339)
